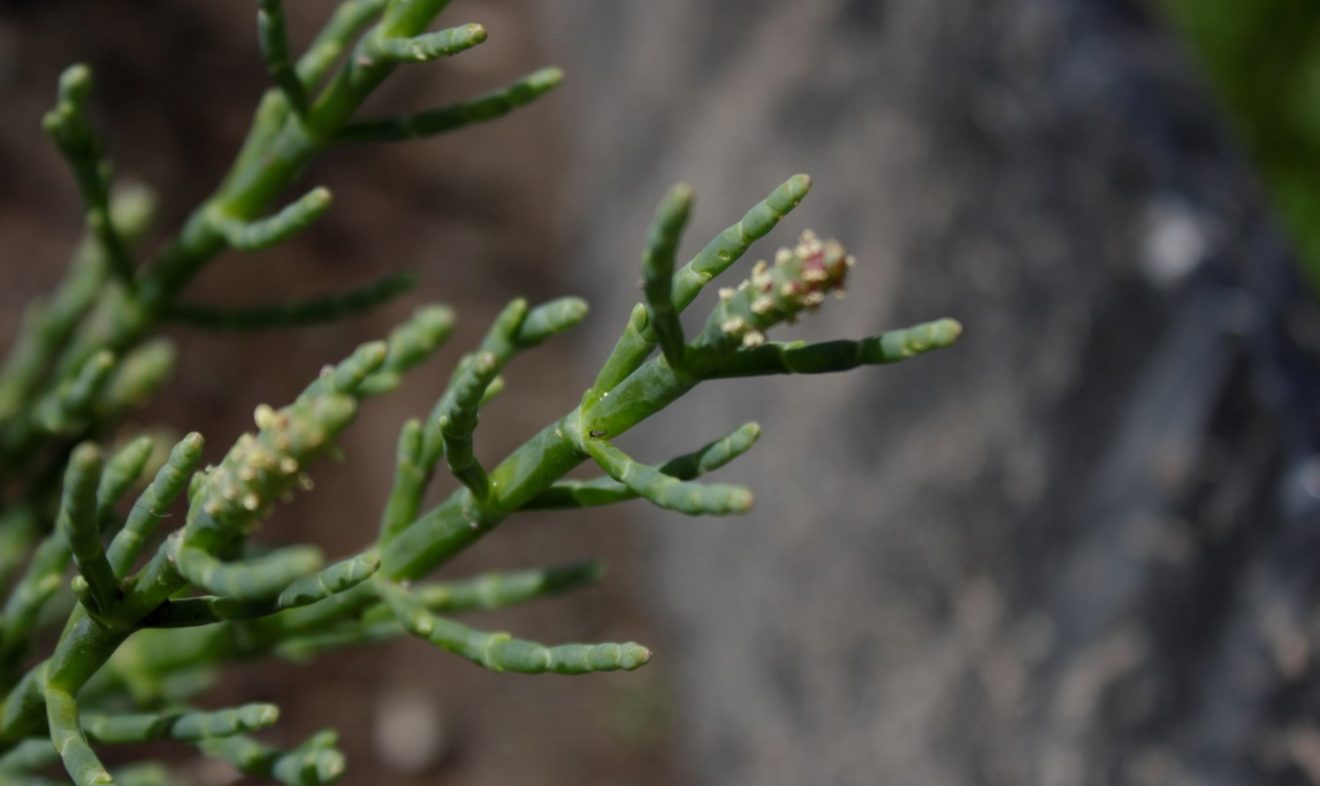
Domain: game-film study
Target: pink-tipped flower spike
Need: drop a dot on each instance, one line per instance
(798, 281)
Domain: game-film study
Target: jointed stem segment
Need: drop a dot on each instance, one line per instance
(79, 525)
(658, 271)
(71, 129)
(608, 491)
(498, 590)
(254, 235)
(502, 652)
(343, 27)
(120, 473)
(798, 357)
(667, 491)
(459, 420)
(257, 579)
(67, 408)
(313, 763)
(451, 118)
(275, 48)
(296, 313)
(306, 589)
(151, 505)
(410, 478)
(181, 726)
(427, 47)
(409, 344)
(48, 325)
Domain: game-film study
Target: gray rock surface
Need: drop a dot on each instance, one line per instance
(1076, 549)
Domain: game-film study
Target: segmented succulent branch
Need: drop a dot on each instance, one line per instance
(153, 613)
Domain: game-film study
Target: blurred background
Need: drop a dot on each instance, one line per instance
(1082, 547)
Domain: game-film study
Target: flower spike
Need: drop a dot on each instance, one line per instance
(799, 280)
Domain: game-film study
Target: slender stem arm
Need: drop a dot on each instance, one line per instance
(658, 271)
(296, 313)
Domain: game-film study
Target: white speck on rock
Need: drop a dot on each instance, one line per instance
(1174, 242)
(409, 731)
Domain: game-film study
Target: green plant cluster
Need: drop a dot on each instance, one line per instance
(148, 614)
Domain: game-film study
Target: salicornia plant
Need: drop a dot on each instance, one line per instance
(144, 615)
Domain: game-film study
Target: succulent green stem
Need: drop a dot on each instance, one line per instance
(181, 726)
(500, 589)
(314, 762)
(667, 491)
(120, 473)
(137, 377)
(426, 47)
(274, 42)
(68, 407)
(297, 313)
(459, 420)
(81, 528)
(69, 126)
(502, 652)
(608, 491)
(256, 579)
(299, 592)
(347, 22)
(48, 325)
(799, 357)
(487, 107)
(254, 235)
(409, 344)
(658, 271)
(410, 478)
(151, 505)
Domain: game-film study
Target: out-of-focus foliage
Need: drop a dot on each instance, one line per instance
(1263, 59)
